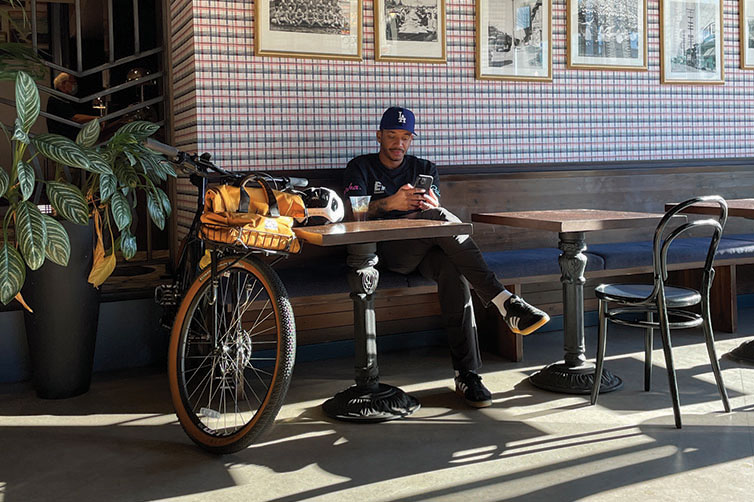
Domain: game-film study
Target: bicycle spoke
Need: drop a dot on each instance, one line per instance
(230, 352)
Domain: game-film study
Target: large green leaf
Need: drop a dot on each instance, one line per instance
(154, 206)
(126, 174)
(58, 248)
(31, 233)
(12, 272)
(108, 184)
(4, 181)
(164, 201)
(98, 163)
(27, 100)
(130, 157)
(68, 201)
(62, 150)
(120, 209)
(152, 168)
(26, 179)
(167, 167)
(88, 135)
(127, 244)
(139, 129)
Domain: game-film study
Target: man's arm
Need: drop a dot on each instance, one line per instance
(82, 118)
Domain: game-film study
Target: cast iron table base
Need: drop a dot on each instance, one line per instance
(370, 404)
(368, 400)
(573, 375)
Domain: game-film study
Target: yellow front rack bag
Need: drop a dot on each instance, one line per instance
(252, 216)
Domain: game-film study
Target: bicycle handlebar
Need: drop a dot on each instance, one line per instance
(200, 165)
(166, 150)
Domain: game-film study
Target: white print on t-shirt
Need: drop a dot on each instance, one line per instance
(378, 187)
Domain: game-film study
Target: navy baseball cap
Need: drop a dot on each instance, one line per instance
(398, 118)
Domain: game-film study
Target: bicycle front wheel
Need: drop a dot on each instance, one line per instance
(231, 354)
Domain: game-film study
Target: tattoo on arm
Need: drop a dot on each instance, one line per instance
(377, 207)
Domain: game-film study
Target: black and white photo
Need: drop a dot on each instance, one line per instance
(513, 39)
(309, 28)
(410, 30)
(691, 41)
(310, 16)
(608, 34)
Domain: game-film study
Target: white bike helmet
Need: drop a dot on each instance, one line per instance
(322, 206)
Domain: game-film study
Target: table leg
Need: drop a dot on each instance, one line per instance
(573, 375)
(368, 400)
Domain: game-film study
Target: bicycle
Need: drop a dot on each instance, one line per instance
(233, 337)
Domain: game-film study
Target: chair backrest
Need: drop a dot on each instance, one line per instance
(671, 227)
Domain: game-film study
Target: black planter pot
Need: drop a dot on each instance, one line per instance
(63, 328)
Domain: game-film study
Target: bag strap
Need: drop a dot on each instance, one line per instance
(244, 200)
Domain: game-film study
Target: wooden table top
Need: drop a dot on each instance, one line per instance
(743, 208)
(359, 232)
(569, 220)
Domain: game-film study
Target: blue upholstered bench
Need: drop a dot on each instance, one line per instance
(326, 275)
(527, 265)
(626, 255)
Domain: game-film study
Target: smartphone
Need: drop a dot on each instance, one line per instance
(423, 181)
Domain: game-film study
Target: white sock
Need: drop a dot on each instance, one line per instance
(499, 300)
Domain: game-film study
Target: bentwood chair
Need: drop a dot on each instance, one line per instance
(658, 306)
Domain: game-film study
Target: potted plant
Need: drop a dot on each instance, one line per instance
(99, 213)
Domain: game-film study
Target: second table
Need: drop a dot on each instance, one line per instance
(573, 375)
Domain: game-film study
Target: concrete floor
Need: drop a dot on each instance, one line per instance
(120, 441)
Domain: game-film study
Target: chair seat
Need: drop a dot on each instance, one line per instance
(636, 293)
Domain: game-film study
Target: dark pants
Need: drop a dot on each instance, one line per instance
(454, 263)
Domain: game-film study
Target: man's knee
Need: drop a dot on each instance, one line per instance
(439, 213)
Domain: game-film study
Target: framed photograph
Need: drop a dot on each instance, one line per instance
(746, 26)
(409, 30)
(691, 45)
(327, 29)
(607, 34)
(514, 40)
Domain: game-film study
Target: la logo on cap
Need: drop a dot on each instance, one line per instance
(401, 117)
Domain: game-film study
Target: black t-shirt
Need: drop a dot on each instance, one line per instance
(63, 109)
(366, 175)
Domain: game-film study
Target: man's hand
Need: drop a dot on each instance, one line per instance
(407, 198)
(429, 200)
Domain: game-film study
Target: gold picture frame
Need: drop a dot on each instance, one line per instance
(321, 29)
(746, 31)
(607, 34)
(691, 45)
(410, 31)
(514, 40)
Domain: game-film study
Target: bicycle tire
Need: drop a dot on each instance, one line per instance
(255, 332)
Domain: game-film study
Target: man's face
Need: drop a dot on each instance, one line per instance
(394, 143)
(70, 86)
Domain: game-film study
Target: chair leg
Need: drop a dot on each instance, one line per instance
(668, 350)
(710, 339)
(601, 342)
(648, 346)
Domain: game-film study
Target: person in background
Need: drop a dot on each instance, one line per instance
(66, 83)
(453, 262)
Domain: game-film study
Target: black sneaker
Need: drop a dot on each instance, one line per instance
(522, 318)
(469, 385)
